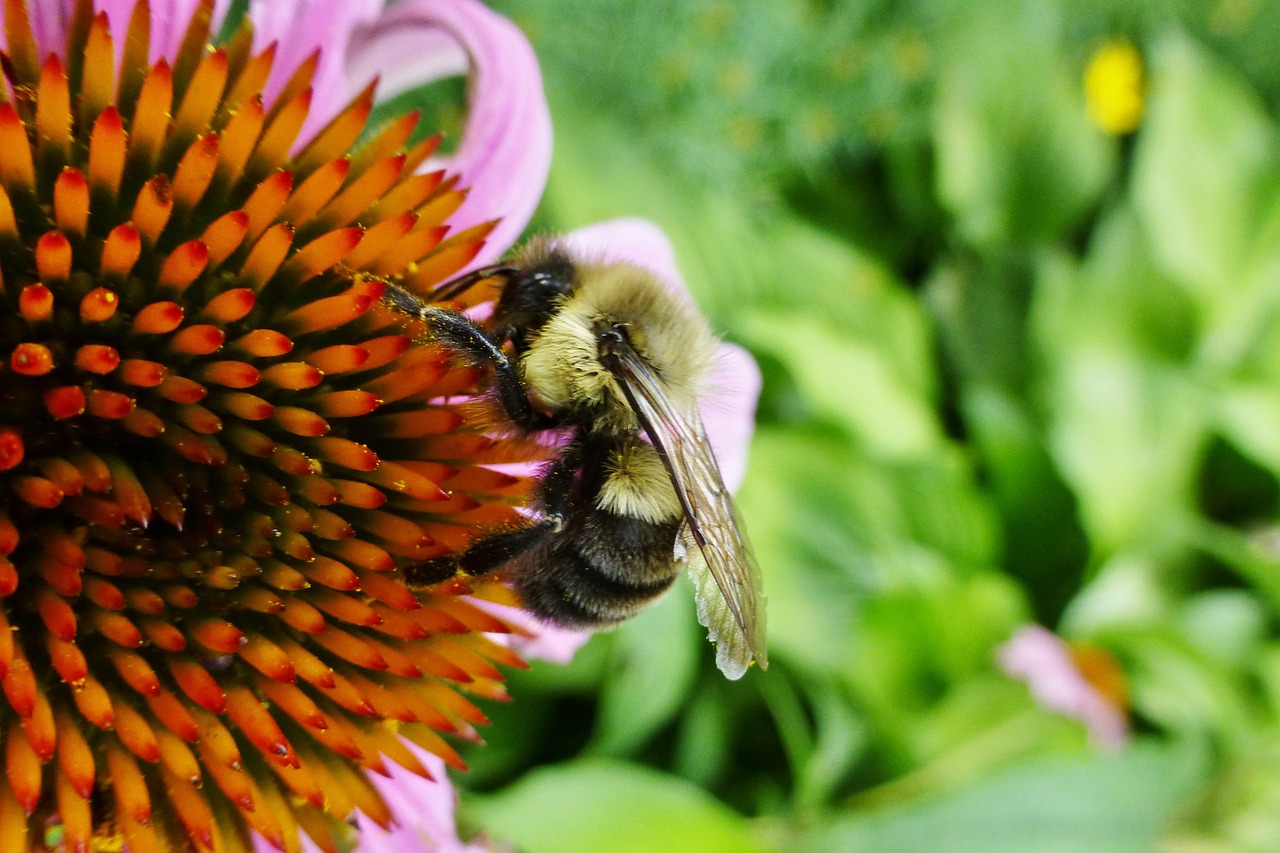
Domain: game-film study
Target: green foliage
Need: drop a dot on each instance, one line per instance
(590, 806)
(1103, 805)
(1016, 370)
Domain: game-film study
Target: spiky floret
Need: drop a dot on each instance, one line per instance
(216, 447)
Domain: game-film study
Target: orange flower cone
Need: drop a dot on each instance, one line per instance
(216, 450)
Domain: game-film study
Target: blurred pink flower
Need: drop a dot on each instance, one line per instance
(1082, 682)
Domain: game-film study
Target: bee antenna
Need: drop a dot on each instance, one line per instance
(453, 289)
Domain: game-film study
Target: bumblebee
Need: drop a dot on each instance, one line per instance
(608, 354)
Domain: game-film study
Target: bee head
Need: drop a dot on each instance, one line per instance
(611, 307)
(544, 275)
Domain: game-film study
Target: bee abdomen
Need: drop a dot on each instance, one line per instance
(613, 568)
(628, 550)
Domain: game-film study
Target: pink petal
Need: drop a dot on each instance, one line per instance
(541, 640)
(300, 28)
(118, 14)
(49, 25)
(633, 240)
(423, 811)
(169, 21)
(1040, 658)
(505, 151)
(728, 410)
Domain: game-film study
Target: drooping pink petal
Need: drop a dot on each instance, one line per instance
(1042, 659)
(505, 151)
(728, 409)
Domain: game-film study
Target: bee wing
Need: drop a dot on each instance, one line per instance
(735, 648)
(731, 608)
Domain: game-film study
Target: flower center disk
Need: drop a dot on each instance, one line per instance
(217, 447)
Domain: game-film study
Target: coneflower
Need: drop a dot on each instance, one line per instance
(217, 448)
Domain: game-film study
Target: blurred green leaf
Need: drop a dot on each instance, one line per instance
(889, 417)
(1103, 804)
(1115, 294)
(1225, 625)
(839, 534)
(1176, 686)
(703, 738)
(1127, 436)
(946, 510)
(1246, 338)
(1267, 666)
(655, 659)
(592, 805)
(842, 735)
(1017, 160)
(928, 634)
(1044, 544)
(1204, 170)
(1248, 416)
(812, 542)
(1127, 413)
(1128, 589)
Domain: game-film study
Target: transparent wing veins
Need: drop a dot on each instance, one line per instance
(711, 518)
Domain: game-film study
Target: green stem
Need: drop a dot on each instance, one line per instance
(1002, 742)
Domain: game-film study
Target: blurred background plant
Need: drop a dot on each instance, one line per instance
(1012, 272)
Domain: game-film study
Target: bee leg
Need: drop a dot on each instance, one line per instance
(487, 555)
(467, 340)
(556, 487)
(496, 550)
